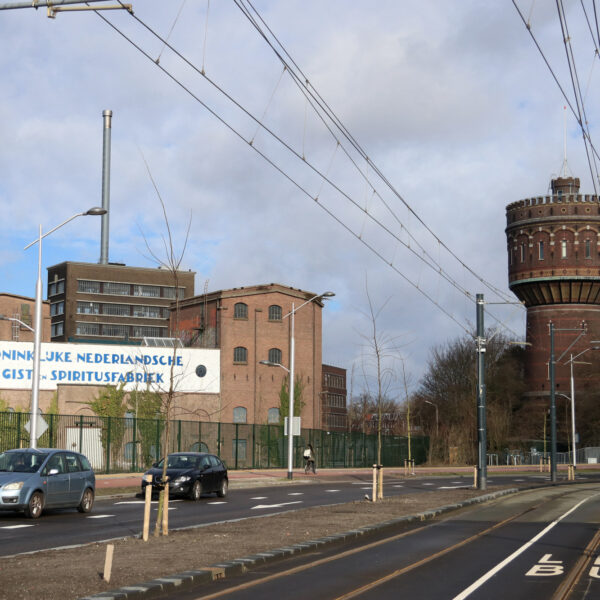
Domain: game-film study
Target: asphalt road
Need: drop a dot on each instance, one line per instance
(123, 516)
(526, 546)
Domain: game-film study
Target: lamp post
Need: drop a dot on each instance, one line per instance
(292, 313)
(437, 422)
(37, 324)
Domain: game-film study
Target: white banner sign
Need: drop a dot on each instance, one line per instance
(136, 367)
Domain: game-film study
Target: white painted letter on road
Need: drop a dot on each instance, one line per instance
(546, 567)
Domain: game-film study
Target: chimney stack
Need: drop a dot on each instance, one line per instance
(107, 116)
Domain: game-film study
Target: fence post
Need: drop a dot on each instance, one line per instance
(134, 446)
(80, 434)
(108, 444)
(237, 443)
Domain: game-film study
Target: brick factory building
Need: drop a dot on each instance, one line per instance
(554, 269)
(21, 308)
(252, 324)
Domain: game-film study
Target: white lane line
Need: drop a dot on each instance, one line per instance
(477, 584)
(258, 498)
(518, 480)
(332, 491)
(368, 488)
(453, 487)
(15, 526)
(217, 502)
(99, 516)
(275, 505)
(393, 486)
(428, 484)
(296, 494)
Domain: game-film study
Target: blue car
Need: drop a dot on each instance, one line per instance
(34, 479)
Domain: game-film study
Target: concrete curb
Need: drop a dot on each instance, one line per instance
(188, 579)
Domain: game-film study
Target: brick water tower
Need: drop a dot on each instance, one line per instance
(554, 269)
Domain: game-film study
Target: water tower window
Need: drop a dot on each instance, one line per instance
(563, 248)
(588, 248)
(541, 250)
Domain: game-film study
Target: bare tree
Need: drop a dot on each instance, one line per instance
(171, 261)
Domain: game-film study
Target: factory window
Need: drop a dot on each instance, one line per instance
(117, 289)
(275, 355)
(239, 414)
(273, 416)
(116, 310)
(112, 330)
(88, 287)
(240, 311)
(57, 329)
(88, 308)
(58, 287)
(148, 331)
(563, 248)
(541, 250)
(88, 329)
(57, 308)
(240, 355)
(588, 248)
(274, 312)
(148, 291)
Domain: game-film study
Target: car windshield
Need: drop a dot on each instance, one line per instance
(180, 461)
(20, 462)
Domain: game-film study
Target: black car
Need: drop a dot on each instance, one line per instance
(190, 474)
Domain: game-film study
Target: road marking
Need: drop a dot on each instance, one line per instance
(477, 584)
(428, 484)
(15, 526)
(453, 487)
(594, 571)
(217, 502)
(275, 505)
(258, 498)
(392, 486)
(99, 516)
(518, 480)
(332, 490)
(546, 567)
(296, 494)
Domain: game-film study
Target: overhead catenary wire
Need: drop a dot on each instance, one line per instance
(280, 170)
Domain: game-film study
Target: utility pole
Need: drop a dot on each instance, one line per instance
(481, 417)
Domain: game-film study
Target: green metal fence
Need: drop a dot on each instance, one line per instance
(132, 445)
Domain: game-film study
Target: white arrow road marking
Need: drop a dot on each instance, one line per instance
(15, 526)
(99, 516)
(275, 505)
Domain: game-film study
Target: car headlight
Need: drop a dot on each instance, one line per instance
(15, 485)
(182, 479)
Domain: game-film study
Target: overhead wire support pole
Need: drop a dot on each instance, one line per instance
(481, 416)
(50, 4)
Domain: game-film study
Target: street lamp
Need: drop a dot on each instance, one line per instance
(37, 325)
(437, 422)
(292, 313)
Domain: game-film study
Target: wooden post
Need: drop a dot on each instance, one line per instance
(110, 548)
(374, 483)
(475, 476)
(380, 490)
(165, 520)
(147, 505)
(541, 461)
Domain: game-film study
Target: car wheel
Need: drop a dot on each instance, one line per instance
(85, 506)
(222, 489)
(35, 505)
(196, 491)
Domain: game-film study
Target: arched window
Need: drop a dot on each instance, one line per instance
(588, 248)
(541, 250)
(239, 414)
(563, 248)
(240, 311)
(273, 416)
(275, 355)
(240, 355)
(274, 312)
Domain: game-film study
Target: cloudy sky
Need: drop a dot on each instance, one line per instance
(449, 99)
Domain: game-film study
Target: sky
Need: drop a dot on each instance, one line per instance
(449, 99)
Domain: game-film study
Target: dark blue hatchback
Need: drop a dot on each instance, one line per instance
(32, 479)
